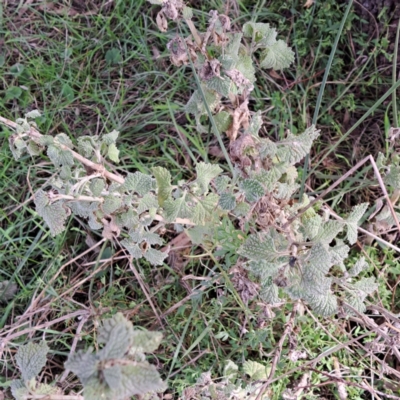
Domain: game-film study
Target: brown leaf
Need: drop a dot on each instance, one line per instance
(308, 3)
(210, 69)
(162, 22)
(240, 120)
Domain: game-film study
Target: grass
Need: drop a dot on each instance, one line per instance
(99, 66)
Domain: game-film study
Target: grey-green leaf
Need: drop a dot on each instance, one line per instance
(31, 358)
(164, 187)
(205, 174)
(252, 189)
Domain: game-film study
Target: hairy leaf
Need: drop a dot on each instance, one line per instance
(352, 221)
(164, 187)
(176, 208)
(227, 201)
(255, 370)
(359, 266)
(295, 147)
(31, 358)
(139, 183)
(317, 263)
(84, 365)
(144, 342)
(277, 56)
(155, 257)
(261, 34)
(111, 204)
(116, 333)
(324, 305)
(205, 174)
(328, 231)
(252, 189)
(113, 153)
(269, 292)
(97, 186)
(54, 214)
(148, 202)
(110, 138)
(134, 250)
(263, 246)
(204, 209)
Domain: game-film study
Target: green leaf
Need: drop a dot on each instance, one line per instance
(138, 182)
(204, 209)
(246, 67)
(113, 56)
(277, 56)
(220, 85)
(17, 69)
(146, 203)
(128, 219)
(232, 48)
(269, 292)
(223, 120)
(113, 153)
(110, 138)
(13, 92)
(393, 177)
(140, 236)
(33, 114)
(339, 253)
(359, 266)
(31, 358)
(255, 370)
(111, 204)
(263, 246)
(116, 333)
(242, 209)
(53, 214)
(352, 221)
(262, 34)
(60, 157)
(221, 183)
(205, 174)
(86, 146)
(97, 186)
(329, 231)
(318, 263)
(155, 257)
(196, 105)
(227, 201)
(176, 209)
(324, 305)
(67, 92)
(145, 342)
(164, 187)
(134, 250)
(284, 191)
(295, 147)
(311, 225)
(84, 365)
(33, 148)
(252, 189)
(255, 124)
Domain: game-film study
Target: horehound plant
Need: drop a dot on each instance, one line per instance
(288, 250)
(117, 371)
(292, 245)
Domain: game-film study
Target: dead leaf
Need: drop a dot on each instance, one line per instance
(210, 69)
(162, 22)
(240, 120)
(308, 3)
